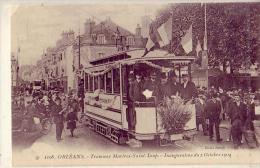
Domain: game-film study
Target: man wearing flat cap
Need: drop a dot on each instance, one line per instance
(58, 118)
(188, 88)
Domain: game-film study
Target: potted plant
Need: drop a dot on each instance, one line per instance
(174, 116)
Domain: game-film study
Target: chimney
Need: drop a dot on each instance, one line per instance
(89, 25)
(138, 31)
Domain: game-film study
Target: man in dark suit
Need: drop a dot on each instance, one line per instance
(175, 86)
(58, 118)
(153, 85)
(213, 111)
(188, 88)
(136, 89)
(200, 113)
(237, 114)
(165, 89)
(131, 117)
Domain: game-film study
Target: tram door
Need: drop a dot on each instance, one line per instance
(127, 116)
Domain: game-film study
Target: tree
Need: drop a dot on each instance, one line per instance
(232, 31)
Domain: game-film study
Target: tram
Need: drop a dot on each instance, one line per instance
(106, 89)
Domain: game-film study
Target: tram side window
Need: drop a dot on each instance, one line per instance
(86, 82)
(95, 83)
(109, 82)
(102, 82)
(91, 83)
(116, 80)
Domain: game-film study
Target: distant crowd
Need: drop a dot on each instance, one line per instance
(56, 106)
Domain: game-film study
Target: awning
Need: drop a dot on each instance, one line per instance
(213, 72)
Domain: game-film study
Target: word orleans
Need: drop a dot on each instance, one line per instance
(64, 156)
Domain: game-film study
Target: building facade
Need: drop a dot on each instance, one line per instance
(103, 40)
(62, 66)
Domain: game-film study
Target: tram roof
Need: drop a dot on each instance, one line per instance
(137, 54)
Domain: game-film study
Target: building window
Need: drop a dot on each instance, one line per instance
(94, 37)
(100, 55)
(130, 40)
(101, 39)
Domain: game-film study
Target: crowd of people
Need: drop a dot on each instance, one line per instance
(58, 107)
(213, 105)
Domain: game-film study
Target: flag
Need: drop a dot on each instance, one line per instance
(154, 39)
(186, 41)
(160, 33)
(198, 48)
(165, 32)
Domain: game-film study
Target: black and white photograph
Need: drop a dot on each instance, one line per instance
(135, 83)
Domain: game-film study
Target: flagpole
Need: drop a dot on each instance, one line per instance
(206, 48)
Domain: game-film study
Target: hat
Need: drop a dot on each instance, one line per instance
(172, 74)
(153, 74)
(235, 93)
(131, 76)
(163, 76)
(57, 99)
(138, 74)
(185, 75)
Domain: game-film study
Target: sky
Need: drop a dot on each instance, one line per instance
(36, 27)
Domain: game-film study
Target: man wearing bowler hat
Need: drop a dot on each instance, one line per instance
(188, 88)
(152, 84)
(175, 86)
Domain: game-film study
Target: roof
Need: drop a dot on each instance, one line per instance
(111, 26)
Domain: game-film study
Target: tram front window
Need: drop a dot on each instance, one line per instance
(86, 82)
(109, 82)
(102, 85)
(95, 83)
(91, 83)
(116, 80)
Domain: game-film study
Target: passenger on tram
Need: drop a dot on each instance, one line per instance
(136, 89)
(131, 117)
(188, 88)
(165, 89)
(175, 85)
(153, 84)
